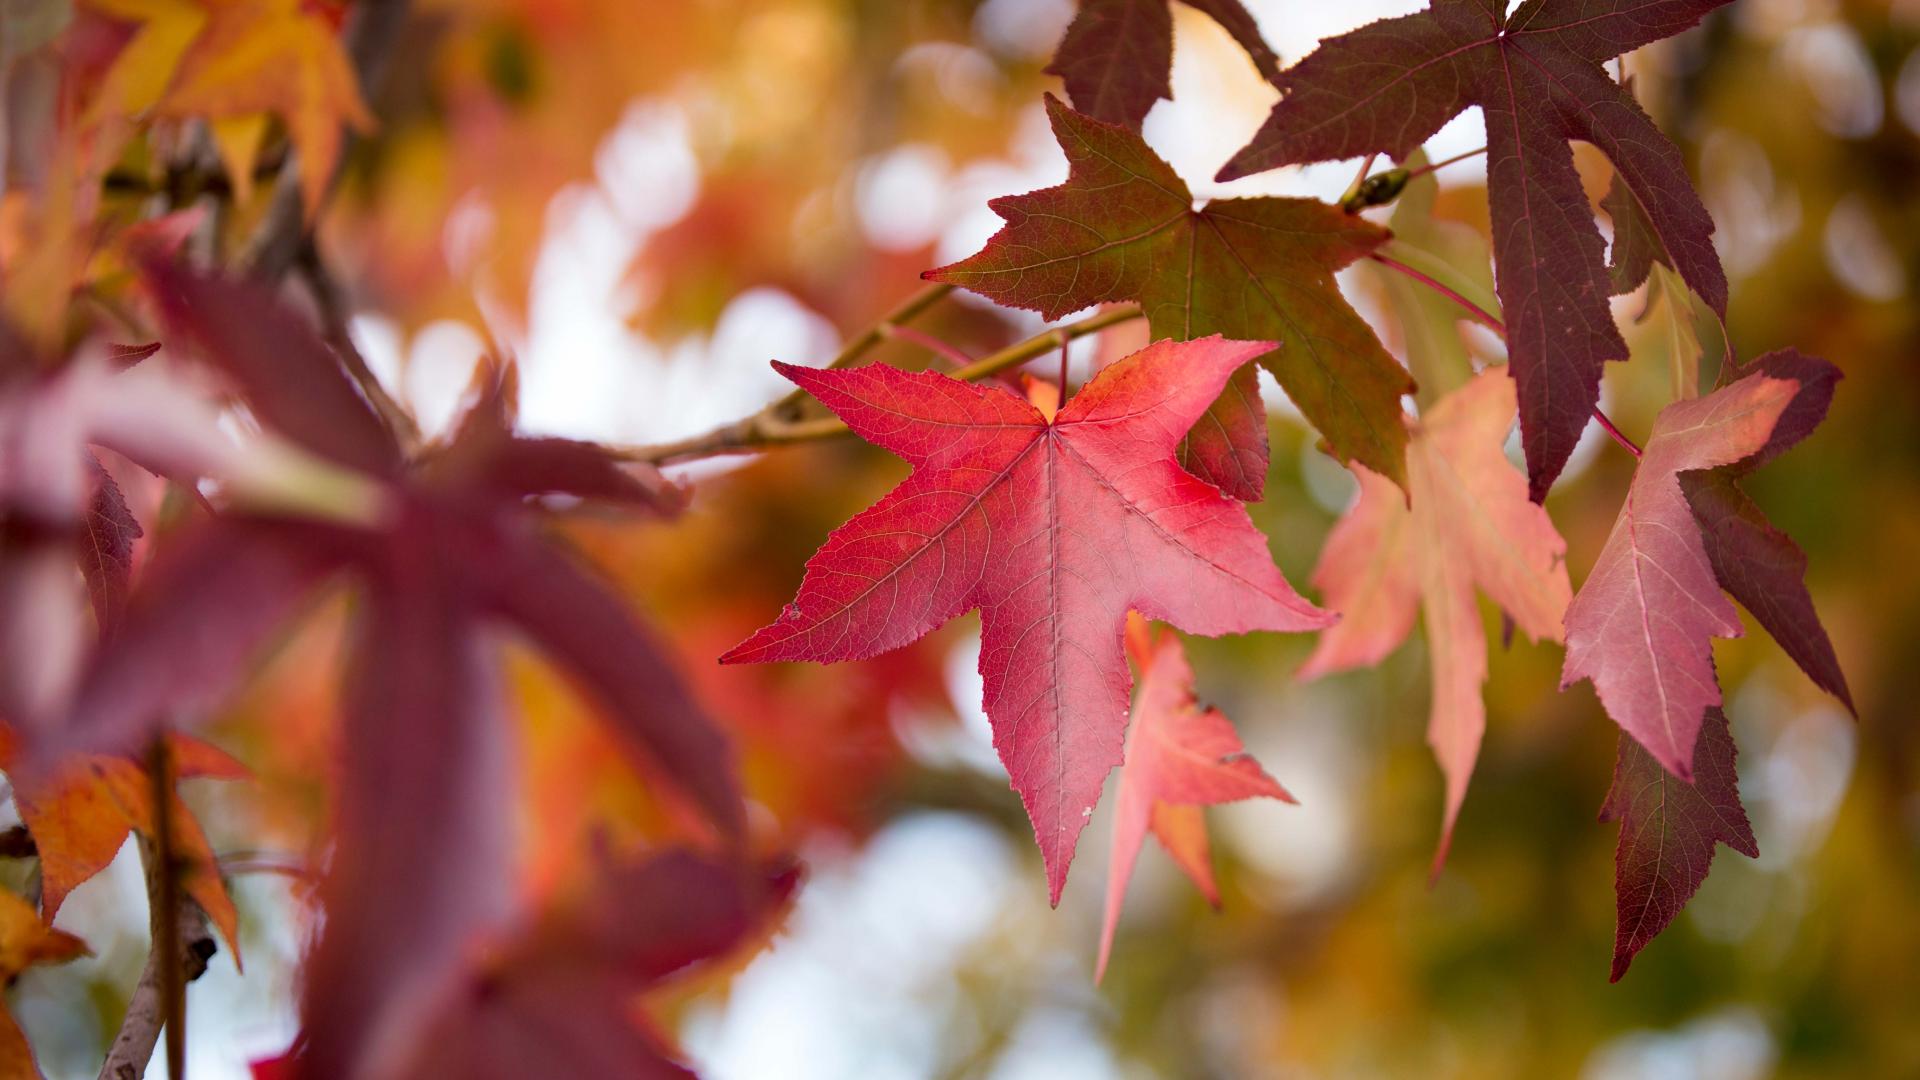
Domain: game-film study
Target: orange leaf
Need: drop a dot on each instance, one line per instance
(25, 941)
(1470, 524)
(81, 814)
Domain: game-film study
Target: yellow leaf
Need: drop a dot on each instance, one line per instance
(238, 140)
(140, 75)
(273, 56)
(24, 942)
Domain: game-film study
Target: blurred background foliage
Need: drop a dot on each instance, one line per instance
(643, 203)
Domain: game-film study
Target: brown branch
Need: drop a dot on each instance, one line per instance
(864, 342)
(146, 1015)
(769, 427)
(371, 32)
(332, 308)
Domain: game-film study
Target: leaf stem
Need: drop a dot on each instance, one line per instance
(1455, 159)
(1618, 436)
(1493, 323)
(926, 341)
(768, 427)
(1359, 178)
(1480, 314)
(864, 342)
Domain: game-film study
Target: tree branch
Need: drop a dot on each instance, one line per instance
(770, 426)
(146, 1015)
(371, 32)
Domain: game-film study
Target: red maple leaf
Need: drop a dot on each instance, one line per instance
(1180, 757)
(1117, 55)
(450, 554)
(1642, 625)
(1537, 76)
(1054, 530)
(1757, 564)
(1667, 831)
(557, 999)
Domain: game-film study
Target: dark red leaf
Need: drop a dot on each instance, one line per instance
(1667, 831)
(421, 863)
(290, 377)
(207, 604)
(558, 1002)
(581, 624)
(1117, 55)
(1124, 227)
(1537, 76)
(1758, 564)
(106, 549)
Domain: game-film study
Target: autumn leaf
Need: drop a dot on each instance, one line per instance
(1667, 831)
(81, 813)
(1758, 564)
(1537, 76)
(1054, 530)
(1642, 626)
(570, 982)
(1117, 55)
(106, 548)
(1124, 227)
(26, 941)
(1179, 758)
(139, 76)
(451, 554)
(1470, 525)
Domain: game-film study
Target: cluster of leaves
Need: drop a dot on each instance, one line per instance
(1068, 517)
(1055, 528)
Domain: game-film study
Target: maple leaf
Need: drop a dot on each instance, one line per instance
(1124, 227)
(1470, 524)
(1537, 76)
(1117, 55)
(1667, 831)
(81, 813)
(140, 74)
(228, 60)
(449, 553)
(1641, 627)
(106, 550)
(570, 981)
(1179, 758)
(26, 941)
(1054, 530)
(52, 486)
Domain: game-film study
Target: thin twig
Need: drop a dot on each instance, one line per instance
(865, 341)
(1455, 159)
(1366, 166)
(767, 428)
(332, 308)
(1487, 318)
(163, 890)
(369, 39)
